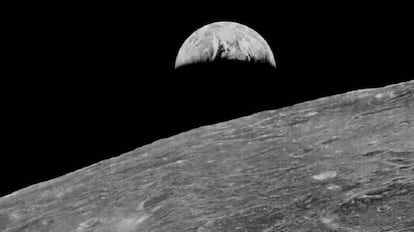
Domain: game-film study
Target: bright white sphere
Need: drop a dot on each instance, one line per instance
(224, 40)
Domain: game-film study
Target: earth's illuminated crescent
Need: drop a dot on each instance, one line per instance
(224, 40)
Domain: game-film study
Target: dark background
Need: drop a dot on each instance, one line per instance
(90, 82)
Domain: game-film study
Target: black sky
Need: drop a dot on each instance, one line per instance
(92, 82)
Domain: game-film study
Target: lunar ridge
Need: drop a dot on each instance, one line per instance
(339, 163)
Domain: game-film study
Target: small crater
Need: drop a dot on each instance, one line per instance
(296, 155)
(325, 175)
(89, 225)
(308, 150)
(383, 208)
(297, 121)
(331, 140)
(373, 153)
(333, 187)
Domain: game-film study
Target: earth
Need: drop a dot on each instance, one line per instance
(227, 41)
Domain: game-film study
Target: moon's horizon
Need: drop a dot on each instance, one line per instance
(224, 40)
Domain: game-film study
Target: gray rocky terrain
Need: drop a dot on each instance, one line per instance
(341, 163)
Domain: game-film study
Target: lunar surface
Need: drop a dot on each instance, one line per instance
(227, 41)
(342, 163)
